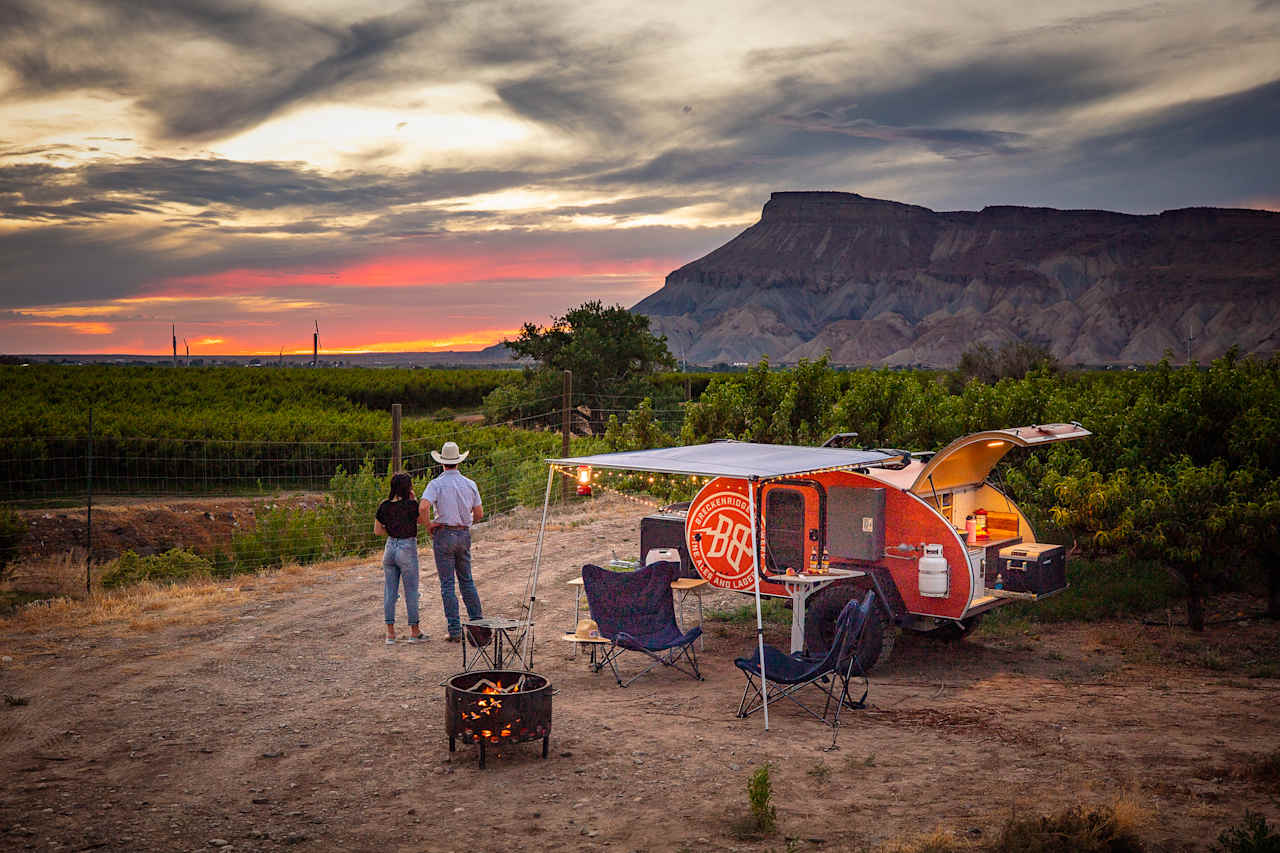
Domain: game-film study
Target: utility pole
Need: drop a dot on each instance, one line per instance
(1190, 338)
(173, 332)
(188, 348)
(315, 344)
(566, 398)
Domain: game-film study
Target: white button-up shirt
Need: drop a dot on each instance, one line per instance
(452, 496)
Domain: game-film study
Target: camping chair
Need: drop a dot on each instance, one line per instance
(635, 611)
(788, 673)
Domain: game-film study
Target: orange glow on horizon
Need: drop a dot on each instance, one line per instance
(78, 328)
(466, 342)
(418, 271)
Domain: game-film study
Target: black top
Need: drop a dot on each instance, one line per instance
(399, 517)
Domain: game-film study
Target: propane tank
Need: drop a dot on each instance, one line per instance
(935, 576)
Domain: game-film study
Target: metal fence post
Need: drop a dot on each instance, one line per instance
(395, 438)
(88, 560)
(565, 424)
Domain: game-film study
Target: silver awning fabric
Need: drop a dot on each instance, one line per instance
(730, 459)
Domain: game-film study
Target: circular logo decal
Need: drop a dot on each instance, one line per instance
(718, 533)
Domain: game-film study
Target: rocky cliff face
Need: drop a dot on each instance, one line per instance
(878, 282)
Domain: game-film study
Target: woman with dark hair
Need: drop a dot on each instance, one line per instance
(397, 519)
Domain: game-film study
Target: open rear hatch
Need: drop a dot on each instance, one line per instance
(969, 459)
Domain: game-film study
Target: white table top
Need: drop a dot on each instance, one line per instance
(830, 575)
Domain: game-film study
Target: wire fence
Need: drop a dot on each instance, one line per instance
(298, 501)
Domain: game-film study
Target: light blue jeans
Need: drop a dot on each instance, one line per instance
(452, 550)
(400, 563)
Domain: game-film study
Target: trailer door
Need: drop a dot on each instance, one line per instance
(792, 524)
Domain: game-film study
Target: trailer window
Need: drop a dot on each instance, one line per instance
(784, 530)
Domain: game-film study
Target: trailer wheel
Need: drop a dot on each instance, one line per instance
(820, 624)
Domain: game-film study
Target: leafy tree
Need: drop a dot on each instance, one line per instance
(1188, 519)
(1014, 360)
(611, 352)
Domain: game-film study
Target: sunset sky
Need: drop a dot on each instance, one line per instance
(429, 175)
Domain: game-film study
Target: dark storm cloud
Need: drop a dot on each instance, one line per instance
(273, 60)
(243, 185)
(949, 142)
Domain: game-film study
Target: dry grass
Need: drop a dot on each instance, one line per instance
(933, 842)
(148, 606)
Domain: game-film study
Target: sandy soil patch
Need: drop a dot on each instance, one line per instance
(270, 715)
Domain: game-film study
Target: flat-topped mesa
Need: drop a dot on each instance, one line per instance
(826, 207)
(881, 282)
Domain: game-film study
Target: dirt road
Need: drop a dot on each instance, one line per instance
(277, 719)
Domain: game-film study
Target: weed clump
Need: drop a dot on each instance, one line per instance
(1252, 835)
(760, 795)
(173, 565)
(1076, 830)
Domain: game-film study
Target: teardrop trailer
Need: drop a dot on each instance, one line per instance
(938, 542)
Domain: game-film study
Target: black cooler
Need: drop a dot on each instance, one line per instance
(666, 530)
(1032, 567)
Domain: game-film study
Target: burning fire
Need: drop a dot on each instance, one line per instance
(488, 707)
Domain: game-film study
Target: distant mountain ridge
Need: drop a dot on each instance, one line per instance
(885, 283)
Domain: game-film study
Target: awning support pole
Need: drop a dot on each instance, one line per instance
(755, 573)
(527, 642)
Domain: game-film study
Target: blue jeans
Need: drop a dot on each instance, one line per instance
(400, 563)
(452, 549)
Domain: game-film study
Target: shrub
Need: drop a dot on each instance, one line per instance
(1075, 830)
(760, 797)
(173, 565)
(12, 531)
(1252, 835)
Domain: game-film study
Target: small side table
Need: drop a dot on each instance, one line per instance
(501, 652)
(683, 588)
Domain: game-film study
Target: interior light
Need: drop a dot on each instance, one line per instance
(584, 474)
(995, 444)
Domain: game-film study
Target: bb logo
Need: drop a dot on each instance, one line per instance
(718, 534)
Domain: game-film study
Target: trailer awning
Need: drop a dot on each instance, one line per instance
(731, 459)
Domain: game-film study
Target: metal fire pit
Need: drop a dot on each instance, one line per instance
(497, 706)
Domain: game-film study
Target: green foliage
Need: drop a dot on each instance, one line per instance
(13, 530)
(1104, 587)
(1014, 360)
(1252, 835)
(1187, 517)
(760, 798)
(640, 432)
(610, 350)
(771, 610)
(784, 407)
(1182, 469)
(172, 566)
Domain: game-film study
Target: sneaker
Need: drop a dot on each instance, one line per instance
(391, 641)
(421, 638)
(453, 638)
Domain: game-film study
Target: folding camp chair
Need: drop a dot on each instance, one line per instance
(636, 612)
(788, 673)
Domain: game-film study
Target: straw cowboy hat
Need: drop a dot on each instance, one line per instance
(587, 630)
(449, 454)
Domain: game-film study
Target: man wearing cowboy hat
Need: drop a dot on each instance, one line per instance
(454, 500)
